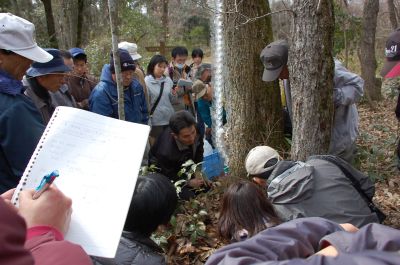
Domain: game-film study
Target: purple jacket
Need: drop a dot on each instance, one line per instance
(293, 243)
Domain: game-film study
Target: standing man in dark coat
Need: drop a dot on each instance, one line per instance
(21, 125)
(176, 145)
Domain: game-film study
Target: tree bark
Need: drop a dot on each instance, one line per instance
(81, 5)
(372, 86)
(311, 76)
(164, 20)
(392, 14)
(253, 106)
(15, 6)
(51, 30)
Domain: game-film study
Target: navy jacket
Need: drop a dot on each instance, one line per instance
(104, 99)
(21, 127)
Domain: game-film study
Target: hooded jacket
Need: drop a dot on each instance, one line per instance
(318, 188)
(348, 90)
(104, 99)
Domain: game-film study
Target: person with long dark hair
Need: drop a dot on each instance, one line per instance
(245, 212)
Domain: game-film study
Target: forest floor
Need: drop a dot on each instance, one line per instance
(192, 238)
(379, 130)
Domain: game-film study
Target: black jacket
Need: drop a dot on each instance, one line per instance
(133, 249)
(167, 156)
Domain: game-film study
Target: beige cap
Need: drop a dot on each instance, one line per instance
(257, 160)
(131, 48)
(18, 35)
(199, 89)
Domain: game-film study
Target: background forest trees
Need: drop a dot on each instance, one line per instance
(254, 106)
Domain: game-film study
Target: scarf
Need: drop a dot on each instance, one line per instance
(9, 85)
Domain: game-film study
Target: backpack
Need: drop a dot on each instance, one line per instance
(359, 180)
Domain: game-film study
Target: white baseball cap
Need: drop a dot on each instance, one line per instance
(131, 48)
(18, 35)
(261, 159)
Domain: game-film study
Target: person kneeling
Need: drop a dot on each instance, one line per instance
(318, 187)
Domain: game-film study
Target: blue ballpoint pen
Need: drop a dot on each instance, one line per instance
(45, 184)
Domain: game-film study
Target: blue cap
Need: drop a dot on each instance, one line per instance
(56, 65)
(76, 51)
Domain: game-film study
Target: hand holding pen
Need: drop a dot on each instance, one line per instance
(52, 208)
(45, 183)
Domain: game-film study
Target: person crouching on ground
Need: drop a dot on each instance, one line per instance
(245, 211)
(315, 188)
(174, 147)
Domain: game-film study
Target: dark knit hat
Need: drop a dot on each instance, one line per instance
(126, 60)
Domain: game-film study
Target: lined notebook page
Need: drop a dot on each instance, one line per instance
(98, 159)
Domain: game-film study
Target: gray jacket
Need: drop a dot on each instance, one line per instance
(318, 188)
(164, 109)
(63, 97)
(295, 242)
(348, 90)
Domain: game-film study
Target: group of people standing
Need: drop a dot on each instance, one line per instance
(34, 81)
(175, 99)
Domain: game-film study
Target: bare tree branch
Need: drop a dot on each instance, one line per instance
(235, 10)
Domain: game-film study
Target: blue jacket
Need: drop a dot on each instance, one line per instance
(21, 127)
(104, 99)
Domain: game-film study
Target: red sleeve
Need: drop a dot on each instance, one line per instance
(41, 230)
(48, 247)
(12, 237)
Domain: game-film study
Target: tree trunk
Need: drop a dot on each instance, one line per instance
(27, 6)
(81, 5)
(367, 55)
(392, 14)
(253, 106)
(164, 20)
(15, 7)
(311, 76)
(51, 29)
(113, 11)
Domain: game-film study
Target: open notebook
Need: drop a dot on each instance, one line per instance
(98, 159)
